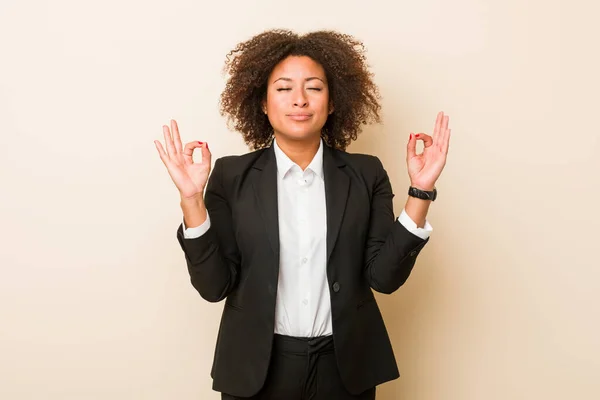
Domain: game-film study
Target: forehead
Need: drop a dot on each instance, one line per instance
(298, 67)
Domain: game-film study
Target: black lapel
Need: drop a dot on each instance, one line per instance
(337, 184)
(265, 188)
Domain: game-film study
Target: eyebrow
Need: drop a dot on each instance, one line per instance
(312, 78)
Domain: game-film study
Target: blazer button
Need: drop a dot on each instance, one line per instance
(413, 253)
(336, 287)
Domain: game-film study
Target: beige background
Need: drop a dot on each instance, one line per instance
(95, 301)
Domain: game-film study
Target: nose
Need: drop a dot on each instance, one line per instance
(300, 99)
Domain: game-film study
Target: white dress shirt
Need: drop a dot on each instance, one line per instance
(303, 307)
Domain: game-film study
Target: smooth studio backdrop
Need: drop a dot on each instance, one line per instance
(95, 300)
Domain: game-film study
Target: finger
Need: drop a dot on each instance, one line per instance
(438, 124)
(161, 152)
(411, 147)
(443, 131)
(176, 137)
(169, 142)
(427, 140)
(442, 143)
(446, 144)
(188, 152)
(206, 154)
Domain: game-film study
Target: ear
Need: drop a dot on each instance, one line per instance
(264, 105)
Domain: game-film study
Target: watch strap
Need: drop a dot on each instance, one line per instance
(422, 194)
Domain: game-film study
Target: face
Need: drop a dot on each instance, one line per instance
(297, 101)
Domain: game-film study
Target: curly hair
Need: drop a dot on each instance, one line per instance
(351, 88)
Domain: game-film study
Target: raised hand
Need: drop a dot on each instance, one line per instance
(189, 177)
(424, 169)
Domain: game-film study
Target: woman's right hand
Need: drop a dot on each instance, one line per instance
(189, 177)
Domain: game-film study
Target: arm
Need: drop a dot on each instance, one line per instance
(392, 249)
(409, 224)
(417, 210)
(213, 258)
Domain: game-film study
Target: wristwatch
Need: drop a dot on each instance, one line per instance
(422, 194)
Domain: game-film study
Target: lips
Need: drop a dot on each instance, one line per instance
(300, 117)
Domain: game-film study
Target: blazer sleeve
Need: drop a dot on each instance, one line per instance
(391, 249)
(213, 259)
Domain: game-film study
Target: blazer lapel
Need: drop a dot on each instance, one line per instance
(337, 185)
(265, 189)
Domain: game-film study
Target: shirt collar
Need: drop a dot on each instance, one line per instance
(284, 164)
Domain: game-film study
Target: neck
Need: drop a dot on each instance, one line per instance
(301, 152)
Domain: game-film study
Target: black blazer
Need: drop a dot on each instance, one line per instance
(238, 259)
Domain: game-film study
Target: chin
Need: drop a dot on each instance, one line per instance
(300, 136)
(298, 133)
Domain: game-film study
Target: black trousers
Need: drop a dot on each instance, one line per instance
(303, 369)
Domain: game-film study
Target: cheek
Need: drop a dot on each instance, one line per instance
(325, 102)
(324, 106)
(274, 105)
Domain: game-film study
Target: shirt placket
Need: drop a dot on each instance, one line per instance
(303, 261)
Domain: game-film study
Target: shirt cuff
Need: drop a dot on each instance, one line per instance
(196, 232)
(411, 226)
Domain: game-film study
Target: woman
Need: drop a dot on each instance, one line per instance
(296, 234)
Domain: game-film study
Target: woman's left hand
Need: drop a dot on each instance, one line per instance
(424, 169)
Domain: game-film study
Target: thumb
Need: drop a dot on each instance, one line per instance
(411, 147)
(188, 151)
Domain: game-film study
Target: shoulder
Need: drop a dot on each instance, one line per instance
(365, 164)
(364, 168)
(228, 169)
(239, 162)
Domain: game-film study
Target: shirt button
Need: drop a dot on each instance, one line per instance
(305, 302)
(304, 260)
(336, 287)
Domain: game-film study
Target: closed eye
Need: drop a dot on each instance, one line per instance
(288, 89)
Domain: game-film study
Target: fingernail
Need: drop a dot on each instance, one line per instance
(199, 142)
(206, 145)
(410, 137)
(417, 135)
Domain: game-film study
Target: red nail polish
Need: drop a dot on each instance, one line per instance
(200, 142)
(410, 136)
(206, 145)
(417, 135)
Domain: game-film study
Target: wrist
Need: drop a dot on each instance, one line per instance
(194, 211)
(421, 194)
(196, 199)
(426, 187)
